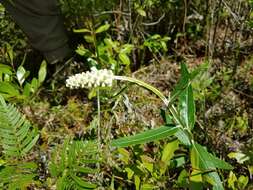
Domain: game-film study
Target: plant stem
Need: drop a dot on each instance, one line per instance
(145, 85)
(167, 102)
(99, 177)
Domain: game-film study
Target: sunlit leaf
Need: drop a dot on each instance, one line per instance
(243, 181)
(82, 183)
(145, 137)
(141, 12)
(196, 174)
(208, 164)
(21, 74)
(42, 72)
(9, 88)
(186, 102)
(240, 157)
(137, 182)
(83, 30)
(182, 84)
(102, 28)
(89, 39)
(232, 180)
(187, 107)
(168, 153)
(124, 59)
(6, 69)
(183, 137)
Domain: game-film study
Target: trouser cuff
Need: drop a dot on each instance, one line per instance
(58, 54)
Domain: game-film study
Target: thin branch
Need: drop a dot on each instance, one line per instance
(231, 12)
(154, 23)
(242, 93)
(111, 12)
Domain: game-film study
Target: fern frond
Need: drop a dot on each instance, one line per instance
(18, 176)
(72, 163)
(17, 136)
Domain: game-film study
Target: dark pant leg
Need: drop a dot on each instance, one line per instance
(41, 21)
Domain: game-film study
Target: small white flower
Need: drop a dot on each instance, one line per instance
(91, 79)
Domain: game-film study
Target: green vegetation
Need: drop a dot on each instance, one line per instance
(175, 111)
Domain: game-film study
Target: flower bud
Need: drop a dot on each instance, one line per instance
(91, 79)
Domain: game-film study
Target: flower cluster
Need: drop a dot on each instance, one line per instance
(91, 79)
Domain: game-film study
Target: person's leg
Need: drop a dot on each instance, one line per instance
(41, 21)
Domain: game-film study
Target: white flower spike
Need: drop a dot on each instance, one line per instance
(104, 78)
(91, 79)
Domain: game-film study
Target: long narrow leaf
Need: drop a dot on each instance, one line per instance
(186, 102)
(207, 163)
(147, 136)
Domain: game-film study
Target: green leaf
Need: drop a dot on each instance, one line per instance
(183, 137)
(110, 43)
(145, 137)
(124, 155)
(6, 69)
(130, 173)
(182, 84)
(34, 85)
(2, 162)
(208, 164)
(16, 133)
(168, 154)
(9, 88)
(196, 174)
(102, 28)
(147, 162)
(211, 160)
(182, 180)
(27, 89)
(141, 12)
(148, 187)
(92, 93)
(42, 72)
(127, 48)
(21, 74)
(232, 180)
(243, 181)
(124, 59)
(30, 145)
(83, 30)
(186, 102)
(240, 157)
(81, 50)
(187, 107)
(10, 52)
(89, 39)
(82, 183)
(137, 182)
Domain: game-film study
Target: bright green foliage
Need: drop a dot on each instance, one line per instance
(187, 107)
(168, 154)
(14, 83)
(106, 51)
(204, 165)
(15, 176)
(17, 136)
(144, 137)
(72, 162)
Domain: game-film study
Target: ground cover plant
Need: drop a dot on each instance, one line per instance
(159, 97)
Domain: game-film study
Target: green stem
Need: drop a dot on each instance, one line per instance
(99, 133)
(98, 122)
(166, 101)
(145, 85)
